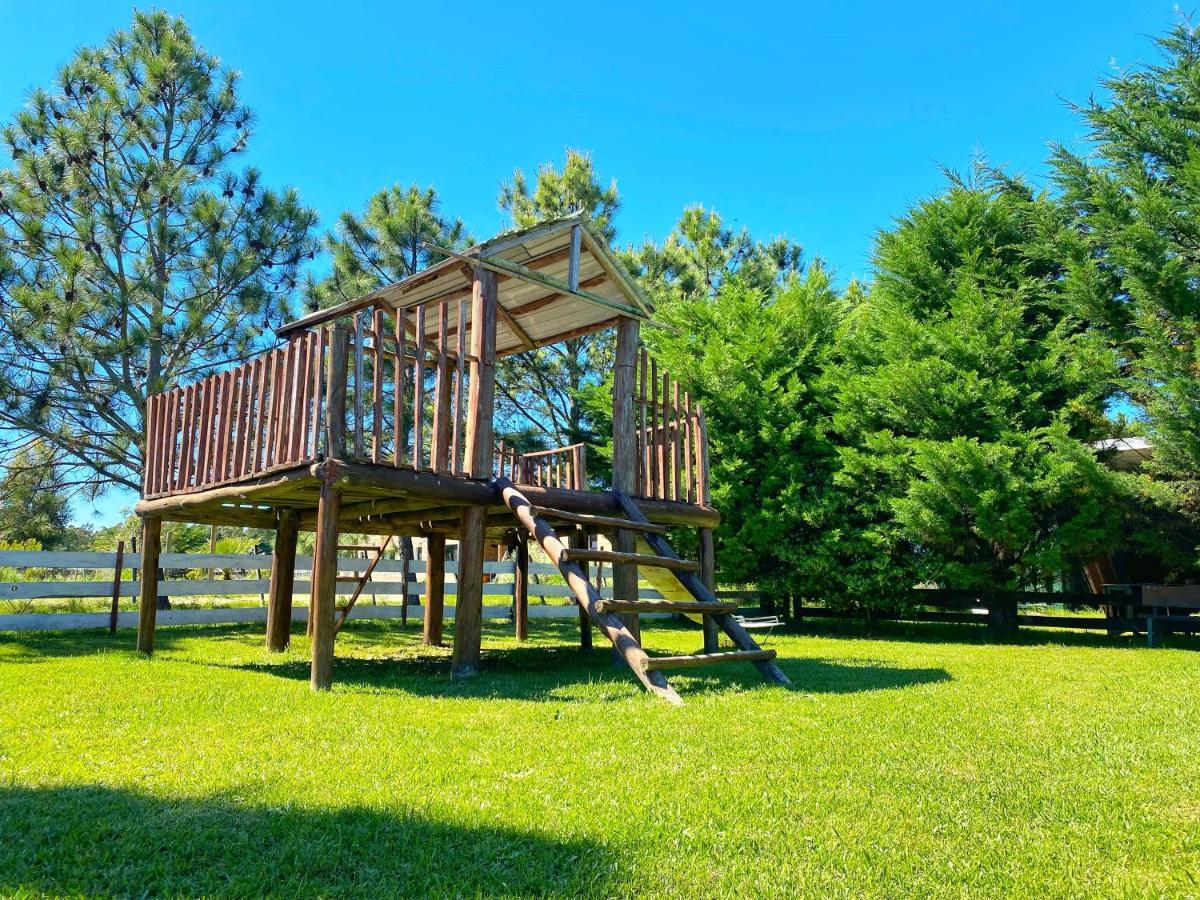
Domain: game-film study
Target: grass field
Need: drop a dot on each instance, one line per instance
(914, 761)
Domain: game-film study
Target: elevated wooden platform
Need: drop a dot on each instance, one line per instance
(379, 499)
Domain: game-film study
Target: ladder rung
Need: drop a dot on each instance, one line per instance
(349, 578)
(358, 546)
(637, 559)
(676, 606)
(705, 659)
(562, 515)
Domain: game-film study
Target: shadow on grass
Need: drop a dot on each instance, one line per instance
(552, 670)
(966, 633)
(103, 841)
(32, 646)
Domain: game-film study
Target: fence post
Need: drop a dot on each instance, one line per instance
(116, 595)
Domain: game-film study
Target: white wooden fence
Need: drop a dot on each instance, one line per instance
(385, 584)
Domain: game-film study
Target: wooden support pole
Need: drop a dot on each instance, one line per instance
(283, 578)
(521, 588)
(443, 388)
(624, 460)
(585, 623)
(324, 588)
(148, 596)
(468, 608)
(116, 593)
(435, 588)
(468, 602)
(708, 576)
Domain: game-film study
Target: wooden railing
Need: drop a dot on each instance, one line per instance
(558, 467)
(260, 416)
(404, 399)
(672, 438)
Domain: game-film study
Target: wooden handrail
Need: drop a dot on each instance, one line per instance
(360, 393)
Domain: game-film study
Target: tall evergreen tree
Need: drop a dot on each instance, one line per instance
(132, 254)
(385, 244)
(756, 360)
(1133, 244)
(541, 393)
(701, 253)
(966, 401)
(32, 504)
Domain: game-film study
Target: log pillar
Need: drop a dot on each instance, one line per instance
(329, 509)
(435, 588)
(585, 621)
(468, 604)
(283, 579)
(521, 588)
(324, 587)
(708, 566)
(624, 460)
(148, 594)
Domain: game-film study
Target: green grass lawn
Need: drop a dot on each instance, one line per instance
(915, 761)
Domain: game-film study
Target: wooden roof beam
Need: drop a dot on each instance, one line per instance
(498, 264)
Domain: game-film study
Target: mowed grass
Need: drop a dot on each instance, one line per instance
(914, 761)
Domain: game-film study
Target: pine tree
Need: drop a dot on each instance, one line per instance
(966, 402)
(701, 253)
(541, 393)
(133, 255)
(1132, 246)
(32, 507)
(386, 244)
(756, 359)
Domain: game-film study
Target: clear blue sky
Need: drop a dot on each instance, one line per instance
(817, 121)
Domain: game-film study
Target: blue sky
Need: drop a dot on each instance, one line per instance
(817, 121)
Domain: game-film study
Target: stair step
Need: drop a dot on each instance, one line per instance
(562, 515)
(676, 606)
(698, 660)
(638, 559)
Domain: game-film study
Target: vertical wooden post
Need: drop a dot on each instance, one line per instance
(468, 609)
(624, 459)
(521, 588)
(283, 578)
(116, 597)
(443, 387)
(325, 581)
(148, 597)
(324, 575)
(585, 621)
(708, 566)
(435, 587)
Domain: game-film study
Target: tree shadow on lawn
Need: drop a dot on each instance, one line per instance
(35, 646)
(559, 672)
(91, 840)
(967, 633)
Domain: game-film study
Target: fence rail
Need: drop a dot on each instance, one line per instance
(384, 587)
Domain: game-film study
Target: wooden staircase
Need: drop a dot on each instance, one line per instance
(605, 613)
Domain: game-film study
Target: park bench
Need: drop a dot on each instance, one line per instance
(1167, 603)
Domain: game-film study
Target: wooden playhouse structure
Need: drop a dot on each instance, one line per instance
(375, 417)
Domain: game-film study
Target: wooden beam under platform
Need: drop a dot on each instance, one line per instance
(382, 499)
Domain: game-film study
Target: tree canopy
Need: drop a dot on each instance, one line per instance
(967, 397)
(133, 254)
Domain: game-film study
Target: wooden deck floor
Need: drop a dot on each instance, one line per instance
(382, 499)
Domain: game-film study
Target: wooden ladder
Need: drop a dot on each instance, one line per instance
(605, 613)
(361, 580)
